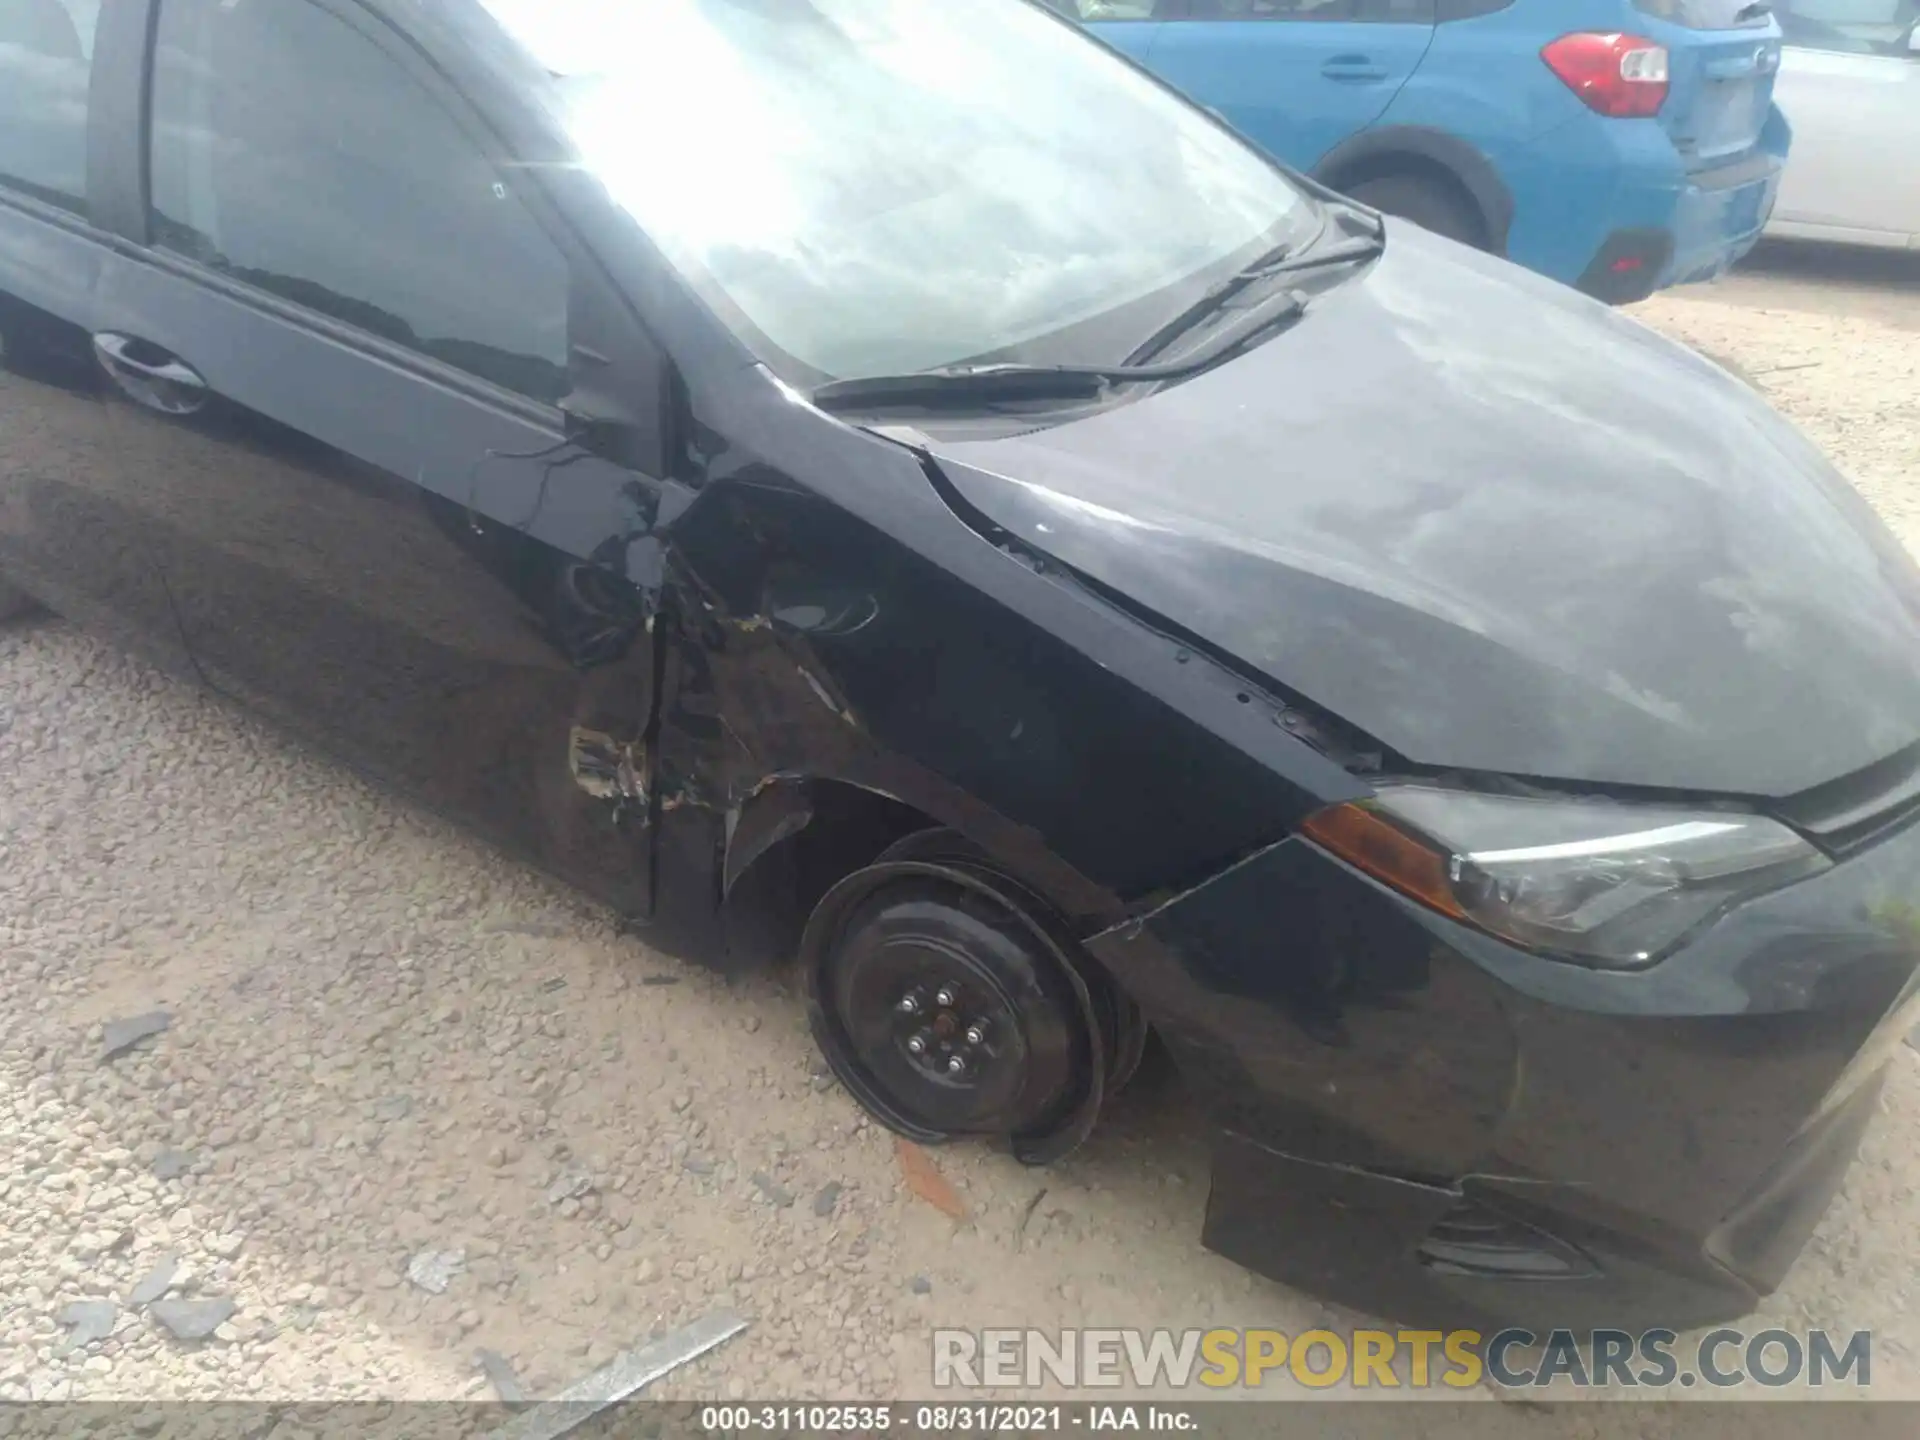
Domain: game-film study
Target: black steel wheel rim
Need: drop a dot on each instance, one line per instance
(1123, 1029)
(908, 951)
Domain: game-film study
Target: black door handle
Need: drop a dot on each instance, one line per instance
(149, 375)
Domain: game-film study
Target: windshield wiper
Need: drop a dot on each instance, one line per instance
(951, 384)
(1218, 296)
(964, 382)
(959, 384)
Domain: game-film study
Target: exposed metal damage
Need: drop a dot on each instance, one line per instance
(605, 768)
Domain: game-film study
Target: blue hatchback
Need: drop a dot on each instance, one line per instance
(1618, 145)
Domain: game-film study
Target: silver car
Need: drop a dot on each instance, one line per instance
(1850, 87)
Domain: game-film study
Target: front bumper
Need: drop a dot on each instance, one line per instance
(1422, 1122)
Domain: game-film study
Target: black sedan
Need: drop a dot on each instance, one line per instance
(888, 484)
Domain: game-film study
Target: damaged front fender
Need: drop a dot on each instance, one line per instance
(1320, 1022)
(777, 810)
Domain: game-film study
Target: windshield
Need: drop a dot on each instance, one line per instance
(864, 187)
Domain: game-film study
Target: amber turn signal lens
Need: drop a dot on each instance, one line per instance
(1386, 852)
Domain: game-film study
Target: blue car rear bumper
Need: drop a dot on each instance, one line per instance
(1610, 207)
(1718, 221)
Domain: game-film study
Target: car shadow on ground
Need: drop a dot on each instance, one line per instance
(1847, 281)
(1832, 264)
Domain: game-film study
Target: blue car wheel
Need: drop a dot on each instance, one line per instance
(1431, 204)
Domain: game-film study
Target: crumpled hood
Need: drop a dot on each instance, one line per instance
(1496, 527)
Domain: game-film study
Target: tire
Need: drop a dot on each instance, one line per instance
(15, 604)
(950, 1000)
(1431, 204)
(1123, 1029)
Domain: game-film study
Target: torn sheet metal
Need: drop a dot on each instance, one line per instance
(777, 810)
(606, 768)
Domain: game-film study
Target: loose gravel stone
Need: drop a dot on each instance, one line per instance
(191, 1320)
(155, 1283)
(87, 1321)
(170, 1163)
(122, 1035)
(775, 1193)
(434, 1270)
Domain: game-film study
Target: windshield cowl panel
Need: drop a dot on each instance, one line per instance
(876, 187)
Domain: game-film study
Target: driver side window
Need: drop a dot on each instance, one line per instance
(293, 153)
(46, 54)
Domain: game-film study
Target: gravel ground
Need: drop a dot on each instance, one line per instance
(387, 1044)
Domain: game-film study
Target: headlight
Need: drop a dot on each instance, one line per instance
(1587, 880)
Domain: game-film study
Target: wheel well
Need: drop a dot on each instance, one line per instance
(800, 837)
(850, 826)
(1420, 167)
(826, 829)
(796, 838)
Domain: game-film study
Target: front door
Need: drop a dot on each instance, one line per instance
(1294, 76)
(344, 351)
(71, 523)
